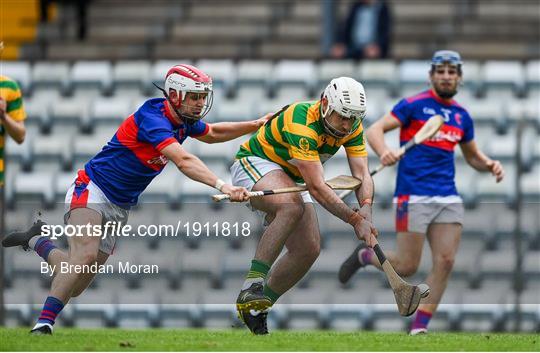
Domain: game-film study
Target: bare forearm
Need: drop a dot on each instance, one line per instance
(330, 201)
(15, 129)
(375, 137)
(366, 191)
(229, 131)
(479, 161)
(196, 170)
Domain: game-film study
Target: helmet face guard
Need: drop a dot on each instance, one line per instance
(184, 79)
(449, 57)
(347, 98)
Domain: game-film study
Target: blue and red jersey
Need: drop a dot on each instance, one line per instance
(132, 158)
(428, 169)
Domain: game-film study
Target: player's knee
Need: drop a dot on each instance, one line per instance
(407, 269)
(292, 211)
(310, 251)
(444, 262)
(84, 257)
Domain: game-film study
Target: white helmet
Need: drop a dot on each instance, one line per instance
(187, 78)
(347, 97)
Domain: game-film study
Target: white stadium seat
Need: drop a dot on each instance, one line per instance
(222, 72)
(330, 69)
(111, 111)
(294, 72)
(254, 71)
(130, 77)
(92, 73)
(377, 72)
(18, 71)
(50, 73)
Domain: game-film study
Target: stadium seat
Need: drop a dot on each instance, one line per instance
(34, 186)
(70, 111)
(251, 95)
(106, 111)
(486, 112)
(53, 148)
(379, 72)
(530, 184)
(131, 74)
(222, 72)
(235, 109)
(86, 146)
(503, 147)
(158, 73)
(504, 191)
(20, 72)
(254, 72)
(21, 154)
(92, 74)
(502, 78)
(47, 74)
(413, 77)
(532, 74)
(294, 72)
(164, 188)
(330, 69)
(293, 94)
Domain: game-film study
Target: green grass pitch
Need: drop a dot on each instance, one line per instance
(67, 339)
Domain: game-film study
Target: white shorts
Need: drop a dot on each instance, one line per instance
(415, 213)
(83, 193)
(248, 171)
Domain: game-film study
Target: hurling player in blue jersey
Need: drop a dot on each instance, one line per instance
(112, 181)
(428, 203)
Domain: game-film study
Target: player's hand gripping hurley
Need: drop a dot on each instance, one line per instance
(342, 182)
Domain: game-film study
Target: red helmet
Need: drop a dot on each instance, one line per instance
(187, 78)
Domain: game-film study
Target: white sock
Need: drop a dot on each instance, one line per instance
(249, 281)
(32, 242)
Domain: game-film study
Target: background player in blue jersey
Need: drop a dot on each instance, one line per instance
(426, 195)
(112, 181)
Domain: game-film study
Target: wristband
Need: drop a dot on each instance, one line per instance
(366, 202)
(219, 184)
(355, 218)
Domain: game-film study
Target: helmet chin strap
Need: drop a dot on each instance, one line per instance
(188, 119)
(328, 127)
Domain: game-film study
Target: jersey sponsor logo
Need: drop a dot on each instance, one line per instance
(429, 111)
(451, 136)
(159, 160)
(457, 117)
(304, 144)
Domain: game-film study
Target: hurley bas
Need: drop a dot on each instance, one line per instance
(121, 267)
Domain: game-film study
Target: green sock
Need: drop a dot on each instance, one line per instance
(273, 296)
(257, 273)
